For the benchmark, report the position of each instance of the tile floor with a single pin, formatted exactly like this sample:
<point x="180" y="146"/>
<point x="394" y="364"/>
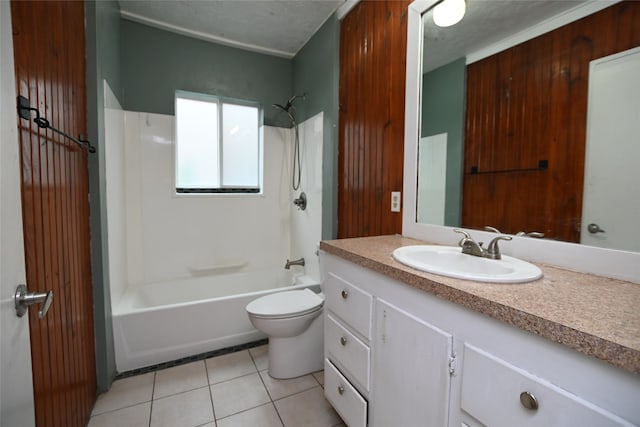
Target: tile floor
<point x="223" y="391"/>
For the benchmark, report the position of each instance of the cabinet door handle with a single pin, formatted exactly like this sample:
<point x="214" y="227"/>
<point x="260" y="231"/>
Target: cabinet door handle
<point x="528" y="400"/>
<point x="340" y="389"/>
<point x="345" y="294"/>
<point x="343" y="340"/>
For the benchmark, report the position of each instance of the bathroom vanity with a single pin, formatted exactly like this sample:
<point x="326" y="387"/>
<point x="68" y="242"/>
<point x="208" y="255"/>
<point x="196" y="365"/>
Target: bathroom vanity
<point x="409" y="348"/>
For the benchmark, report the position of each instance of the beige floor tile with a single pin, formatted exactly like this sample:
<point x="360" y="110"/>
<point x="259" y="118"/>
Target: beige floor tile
<point x="132" y="416"/>
<point x="229" y="366"/>
<point x="189" y="409"/>
<point x="260" y="356"/>
<point x="282" y="388"/>
<point x="126" y="392"/>
<point x="309" y="409"/>
<point x="180" y="379"/>
<point x="263" y="416"/>
<point x="239" y="394"/>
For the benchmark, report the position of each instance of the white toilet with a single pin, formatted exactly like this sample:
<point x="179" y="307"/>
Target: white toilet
<point x="294" y="323"/>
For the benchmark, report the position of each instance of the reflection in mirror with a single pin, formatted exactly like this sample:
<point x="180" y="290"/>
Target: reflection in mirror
<point x="516" y="122"/>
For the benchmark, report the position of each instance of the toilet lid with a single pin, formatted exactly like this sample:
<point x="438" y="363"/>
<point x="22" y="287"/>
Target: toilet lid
<point x="286" y="304"/>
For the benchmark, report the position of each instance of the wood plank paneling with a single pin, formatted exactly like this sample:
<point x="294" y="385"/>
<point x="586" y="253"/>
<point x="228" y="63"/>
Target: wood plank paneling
<point x="371" y="131"/>
<point x="527" y="104"/>
<point x="50" y="70"/>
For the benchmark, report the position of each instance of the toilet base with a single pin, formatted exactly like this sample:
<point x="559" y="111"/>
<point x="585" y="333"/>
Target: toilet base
<point x="300" y="355"/>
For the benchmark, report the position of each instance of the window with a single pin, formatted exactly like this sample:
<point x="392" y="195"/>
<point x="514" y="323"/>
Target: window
<point x="217" y="145"/>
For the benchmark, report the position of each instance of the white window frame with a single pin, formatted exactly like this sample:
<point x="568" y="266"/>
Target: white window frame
<point x="222" y="189"/>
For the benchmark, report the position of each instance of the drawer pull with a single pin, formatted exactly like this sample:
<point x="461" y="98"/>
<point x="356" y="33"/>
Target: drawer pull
<point x="340" y="389"/>
<point x="343" y="340"/>
<point x="345" y="294"/>
<point x="528" y="400"/>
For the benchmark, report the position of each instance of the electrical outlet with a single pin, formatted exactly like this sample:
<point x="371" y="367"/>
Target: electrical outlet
<point x="396" y="201"/>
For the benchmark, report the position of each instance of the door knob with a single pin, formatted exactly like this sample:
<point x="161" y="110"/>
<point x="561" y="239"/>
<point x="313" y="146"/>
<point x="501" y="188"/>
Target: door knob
<point x="23" y="299"/>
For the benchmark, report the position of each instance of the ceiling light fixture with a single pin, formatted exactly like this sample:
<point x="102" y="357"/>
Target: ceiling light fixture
<point x="448" y="12"/>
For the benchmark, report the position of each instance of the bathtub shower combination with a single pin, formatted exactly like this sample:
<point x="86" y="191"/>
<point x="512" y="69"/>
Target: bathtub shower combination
<point x="165" y="321"/>
<point x="180" y="287"/>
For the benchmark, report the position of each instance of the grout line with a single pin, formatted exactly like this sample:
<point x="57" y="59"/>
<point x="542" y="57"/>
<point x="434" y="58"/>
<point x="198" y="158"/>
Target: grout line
<point x="213" y="408"/>
<point x="273" y="403"/>
<point x="121" y="407"/>
<point x="316" y="378"/>
<point x="153" y="390"/>
<point x="253" y="360"/>
<point x="278" y="413"/>
<point x="265" y="386"/>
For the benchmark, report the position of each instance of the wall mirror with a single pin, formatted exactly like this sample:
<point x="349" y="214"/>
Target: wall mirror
<point x="433" y="199"/>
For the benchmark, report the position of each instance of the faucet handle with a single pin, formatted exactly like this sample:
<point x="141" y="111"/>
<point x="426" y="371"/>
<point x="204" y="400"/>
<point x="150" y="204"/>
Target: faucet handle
<point x="466" y="237"/>
<point x="536" y="234"/>
<point x="491" y="229"/>
<point x="493" y="251"/>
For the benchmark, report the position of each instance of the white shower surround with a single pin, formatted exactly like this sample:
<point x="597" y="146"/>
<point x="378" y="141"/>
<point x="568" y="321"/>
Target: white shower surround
<point x="158" y="237"/>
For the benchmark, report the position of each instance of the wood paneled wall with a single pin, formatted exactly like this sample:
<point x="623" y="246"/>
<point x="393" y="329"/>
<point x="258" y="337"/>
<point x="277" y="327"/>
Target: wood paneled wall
<point x="50" y="70"/>
<point x="529" y="104"/>
<point x="373" y="43"/>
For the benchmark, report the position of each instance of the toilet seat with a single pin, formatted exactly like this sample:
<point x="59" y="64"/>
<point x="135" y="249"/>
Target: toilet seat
<point x="282" y="305"/>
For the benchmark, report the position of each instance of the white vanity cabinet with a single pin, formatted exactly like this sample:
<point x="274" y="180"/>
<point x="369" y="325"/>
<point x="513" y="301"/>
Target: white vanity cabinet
<point x="411" y="359"/>
<point x="394" y="360"/>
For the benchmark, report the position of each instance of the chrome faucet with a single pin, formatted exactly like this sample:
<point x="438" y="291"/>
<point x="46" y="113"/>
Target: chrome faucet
<point x="471" y="247"/>
<point x="301" y="202"/>
<point x="299" y="262"/>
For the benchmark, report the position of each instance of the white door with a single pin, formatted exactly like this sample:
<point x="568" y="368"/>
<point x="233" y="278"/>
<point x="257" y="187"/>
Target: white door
<point x="16" y="386"/>
<point x="611" y="200"/>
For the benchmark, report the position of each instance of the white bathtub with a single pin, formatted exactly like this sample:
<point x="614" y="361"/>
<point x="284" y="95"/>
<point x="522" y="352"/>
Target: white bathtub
<point x="160" y="322"/>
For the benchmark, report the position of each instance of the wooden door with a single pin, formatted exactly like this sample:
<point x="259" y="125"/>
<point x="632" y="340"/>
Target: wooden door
<point x="49" y="55"/>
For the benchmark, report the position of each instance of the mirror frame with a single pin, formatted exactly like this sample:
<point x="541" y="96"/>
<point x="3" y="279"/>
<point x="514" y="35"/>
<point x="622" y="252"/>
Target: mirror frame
<point x="612" y="263"/>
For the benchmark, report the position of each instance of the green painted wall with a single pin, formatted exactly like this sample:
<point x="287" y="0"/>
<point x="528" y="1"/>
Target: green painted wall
<point x="150" y="76"/>
<point x="443" y="109"/>
<point x="156" y="63"/>
<point x="316" y="73"/>
<point x="103" y="63"/>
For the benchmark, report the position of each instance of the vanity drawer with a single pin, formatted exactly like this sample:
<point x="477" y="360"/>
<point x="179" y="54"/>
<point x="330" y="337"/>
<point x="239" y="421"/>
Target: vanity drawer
<point x="497" y="393"/>
<point x="344" y="398"/>
<point x="347" y="351"/>
<point x="350" y="303"/>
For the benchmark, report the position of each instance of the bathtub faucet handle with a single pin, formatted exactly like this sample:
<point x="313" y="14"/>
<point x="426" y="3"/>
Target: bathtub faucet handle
<point x="299" y="262"/>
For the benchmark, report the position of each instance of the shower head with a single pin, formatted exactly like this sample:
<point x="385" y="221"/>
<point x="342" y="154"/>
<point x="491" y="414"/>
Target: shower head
<point x="285" y="109"/>
<point x="289" y="103"/>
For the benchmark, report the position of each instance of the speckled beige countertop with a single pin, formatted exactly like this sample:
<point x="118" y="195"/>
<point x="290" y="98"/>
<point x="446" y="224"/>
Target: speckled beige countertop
<point x="594" y="315"/>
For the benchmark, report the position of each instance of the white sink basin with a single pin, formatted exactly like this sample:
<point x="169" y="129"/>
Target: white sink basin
<point x="450" y="261"/>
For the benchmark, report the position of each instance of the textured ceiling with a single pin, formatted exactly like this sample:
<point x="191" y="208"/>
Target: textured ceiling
<point x="282" y="27"/>
<point x="278" y="27"/>
<point x="486" y="22"/>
